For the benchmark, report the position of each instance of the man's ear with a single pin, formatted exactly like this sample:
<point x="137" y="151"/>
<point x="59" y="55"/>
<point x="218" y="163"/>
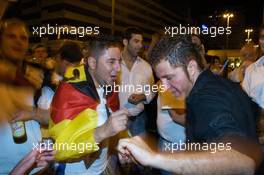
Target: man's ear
<point x="192" y="68"/>
<point x="92" y="63"/>
<point x="125" y="42"/>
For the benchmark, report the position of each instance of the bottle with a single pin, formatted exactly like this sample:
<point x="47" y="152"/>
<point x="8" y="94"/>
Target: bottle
<point x="19" y="132"/>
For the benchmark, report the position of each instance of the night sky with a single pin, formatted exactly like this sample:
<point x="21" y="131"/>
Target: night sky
<point x="251" y="9"/>
<point x="248" y="14"/>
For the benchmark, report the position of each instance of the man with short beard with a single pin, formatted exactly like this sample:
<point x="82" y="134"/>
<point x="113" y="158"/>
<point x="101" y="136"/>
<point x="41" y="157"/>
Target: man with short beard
<point x="218" y="111"/>
<point x="136" y="73"/>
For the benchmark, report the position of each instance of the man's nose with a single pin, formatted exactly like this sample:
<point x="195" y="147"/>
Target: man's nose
<point x="165" y="83"/>
<point x="117" y="67"/>
<point x="140" y="45"/>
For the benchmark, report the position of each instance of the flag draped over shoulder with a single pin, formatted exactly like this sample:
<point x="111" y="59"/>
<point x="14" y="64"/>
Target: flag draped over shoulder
<point x="73" y="115"/>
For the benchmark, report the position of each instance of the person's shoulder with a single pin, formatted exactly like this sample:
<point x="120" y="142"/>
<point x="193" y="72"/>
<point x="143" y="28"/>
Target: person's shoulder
<point x="259" y="62"/>
<point x="254" y="67"/>
<point x="218" y="90"/>
<point x="144" y="62"/>
<point x="63" y="89"/>
<point x="146" y="65"/>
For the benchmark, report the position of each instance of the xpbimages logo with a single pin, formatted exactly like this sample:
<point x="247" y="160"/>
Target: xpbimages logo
<point x="146" y="89"/>
<point x="188" y="30"/>
<point x="190" y="146"/>
<point x="81" y="31"/>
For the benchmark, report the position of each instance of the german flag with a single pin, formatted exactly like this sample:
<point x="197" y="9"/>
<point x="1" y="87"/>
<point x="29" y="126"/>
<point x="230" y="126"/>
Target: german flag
<point x="73" y="114"/>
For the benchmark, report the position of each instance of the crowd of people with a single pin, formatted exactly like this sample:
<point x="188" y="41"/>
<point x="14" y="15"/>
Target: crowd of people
<point x="60" y="99"/>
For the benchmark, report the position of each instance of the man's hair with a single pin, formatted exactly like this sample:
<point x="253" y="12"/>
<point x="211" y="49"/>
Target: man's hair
<point x="71" y="52"/>
<point x="97" y="46"/>
<point x="4" y="24"/>
<point x="177" y="50"/>
<point x="131" y="30"/>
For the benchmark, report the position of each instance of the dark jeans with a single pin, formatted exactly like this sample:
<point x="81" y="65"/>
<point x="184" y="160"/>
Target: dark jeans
<point x="137" y="124"/>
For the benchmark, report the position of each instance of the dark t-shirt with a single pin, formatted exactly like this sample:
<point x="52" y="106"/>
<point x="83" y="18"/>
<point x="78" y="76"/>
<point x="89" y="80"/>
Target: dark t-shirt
<point x="217" y="107"/>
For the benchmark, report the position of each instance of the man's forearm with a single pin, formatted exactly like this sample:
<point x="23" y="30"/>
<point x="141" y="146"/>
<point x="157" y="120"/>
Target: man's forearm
<point x="98" y="135"/>
<point x="42" y="116"/>
<point x="205" y="163"/>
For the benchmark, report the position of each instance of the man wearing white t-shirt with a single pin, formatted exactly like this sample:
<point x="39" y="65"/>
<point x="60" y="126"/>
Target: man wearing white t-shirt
<point x="253" y="82"/>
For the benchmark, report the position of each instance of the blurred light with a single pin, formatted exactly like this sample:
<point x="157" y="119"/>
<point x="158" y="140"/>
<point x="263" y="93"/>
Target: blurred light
<point x="204" y="26"/>
<point x="249" y="30"/>
<point x="228" y="15"/>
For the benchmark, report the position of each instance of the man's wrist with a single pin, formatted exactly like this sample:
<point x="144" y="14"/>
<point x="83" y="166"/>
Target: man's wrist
<point x="99" y="134"/>
<point x="154" y="160"/>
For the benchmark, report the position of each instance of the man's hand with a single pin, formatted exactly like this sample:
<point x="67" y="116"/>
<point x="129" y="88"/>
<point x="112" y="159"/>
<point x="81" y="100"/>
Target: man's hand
<point x="117" y="122"/>
<point x="37" y="114"/>
<point x="35" y="76"/>
<point x="136" y="150"/>
<point x="32" y="160"/>
<point x="136" y="98"/>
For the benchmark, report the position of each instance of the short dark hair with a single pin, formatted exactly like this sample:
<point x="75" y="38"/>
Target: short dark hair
<point x="177" y="50"/>
<point x="71" y="52"/>
<point x="131" y="30"/>
<point x="98" y="45"/>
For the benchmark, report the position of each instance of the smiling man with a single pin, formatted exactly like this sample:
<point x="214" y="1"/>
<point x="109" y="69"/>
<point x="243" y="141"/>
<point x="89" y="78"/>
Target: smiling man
<point x="83" y="116"/>
<point x="218" y="111"/>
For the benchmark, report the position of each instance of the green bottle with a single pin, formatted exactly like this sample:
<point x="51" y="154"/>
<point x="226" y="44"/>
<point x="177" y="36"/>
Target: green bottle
<point x="19" y="131"/>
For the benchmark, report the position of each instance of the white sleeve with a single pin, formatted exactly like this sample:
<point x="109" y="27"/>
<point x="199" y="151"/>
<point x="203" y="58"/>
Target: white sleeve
<point x="150" y="94"/>
<point x="247" y="80"/>
<point x="46" y="98"/>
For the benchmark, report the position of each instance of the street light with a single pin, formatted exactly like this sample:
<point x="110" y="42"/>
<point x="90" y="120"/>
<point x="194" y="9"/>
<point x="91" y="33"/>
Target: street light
<point x="228" y="16"/>
<point x="248" y="31"/>
<point x="248" y="40"/>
